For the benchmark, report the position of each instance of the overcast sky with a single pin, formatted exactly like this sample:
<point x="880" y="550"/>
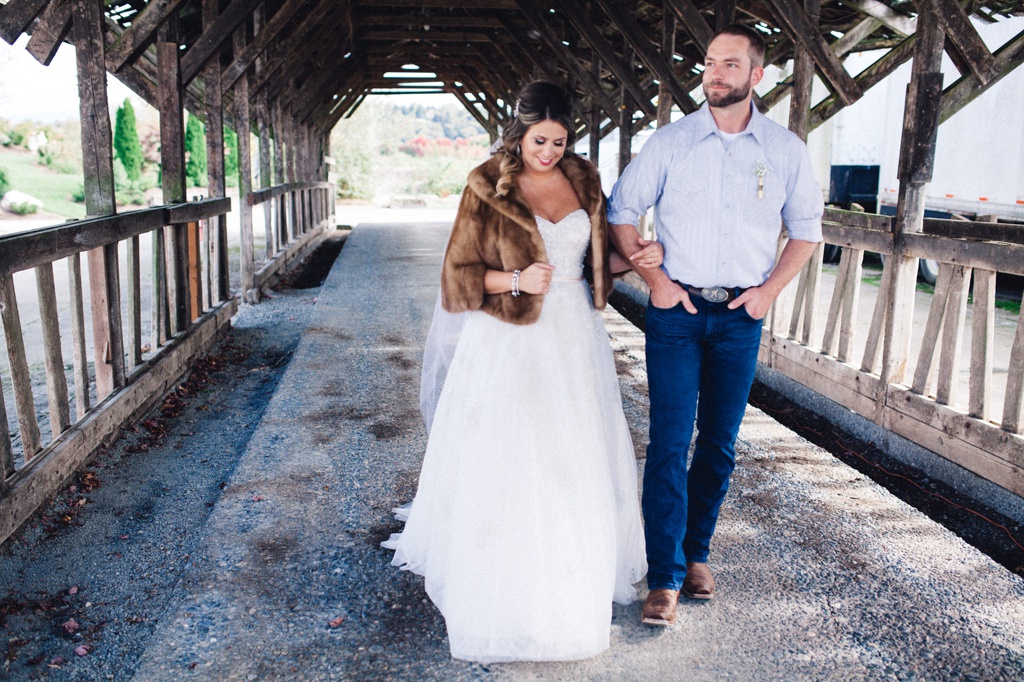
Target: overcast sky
<point x="31" y="91"/>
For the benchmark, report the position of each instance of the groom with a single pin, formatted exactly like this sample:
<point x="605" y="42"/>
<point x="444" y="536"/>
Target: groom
<point x="722" y="179"/>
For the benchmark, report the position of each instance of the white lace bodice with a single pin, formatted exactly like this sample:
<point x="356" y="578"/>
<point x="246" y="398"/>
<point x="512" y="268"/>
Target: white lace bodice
<point x="566" y="242"/>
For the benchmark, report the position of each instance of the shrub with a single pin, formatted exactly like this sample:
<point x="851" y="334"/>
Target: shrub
<point x="126" y="191"/>
<point x="78" y="196"/>
<point x="5" y="184"/>
<point x="23" y="208"/>
<point x="52" y="157"/>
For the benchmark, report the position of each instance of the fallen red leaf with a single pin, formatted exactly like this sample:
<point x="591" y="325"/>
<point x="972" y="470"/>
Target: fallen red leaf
<point x="337" y="621"/>
<point x="73" y="590"/>
<point x="83" y="650"/>
<point x="70" y="626"/>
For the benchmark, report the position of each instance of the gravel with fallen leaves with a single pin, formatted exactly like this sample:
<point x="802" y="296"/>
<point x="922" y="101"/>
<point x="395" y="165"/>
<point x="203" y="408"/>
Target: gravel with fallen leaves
<point x="87" y="579"/>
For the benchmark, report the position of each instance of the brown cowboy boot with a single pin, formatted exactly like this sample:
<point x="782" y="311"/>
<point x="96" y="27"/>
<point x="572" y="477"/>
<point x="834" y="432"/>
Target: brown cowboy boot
<point x="660" y="607"/>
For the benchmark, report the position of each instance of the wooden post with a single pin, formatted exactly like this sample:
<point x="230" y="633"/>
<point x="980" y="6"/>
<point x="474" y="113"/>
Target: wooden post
<point x="56" y="382"/>
<point x="249" y="292"/>
<point x="97" y="160"/>
<point x="263" y="125"/>
<point x="626" y="120"/>
<point x="799" y="117"/>
<point x="215" y="158"/>
<point x="79" y="354"/>
<point x="172" y="169"/>
<point x="668" y="49"/>
<point x="6" y="451"/>
<point x="281" y="202"/>
<point x="21" y="380"/>
<point x="917" y="155"/>
<point x="266" y="179"/>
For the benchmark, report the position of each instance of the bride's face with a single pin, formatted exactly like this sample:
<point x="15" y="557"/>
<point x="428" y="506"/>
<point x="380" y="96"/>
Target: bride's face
<point x="543" y="145"/>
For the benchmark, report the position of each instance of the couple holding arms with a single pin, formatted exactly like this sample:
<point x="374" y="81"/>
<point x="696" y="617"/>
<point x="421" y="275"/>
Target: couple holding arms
<point x="526" y="524"/>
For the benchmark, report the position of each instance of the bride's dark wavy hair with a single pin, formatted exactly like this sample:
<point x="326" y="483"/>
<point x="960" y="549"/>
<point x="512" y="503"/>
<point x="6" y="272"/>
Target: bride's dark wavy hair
<point x="538" y="101"/>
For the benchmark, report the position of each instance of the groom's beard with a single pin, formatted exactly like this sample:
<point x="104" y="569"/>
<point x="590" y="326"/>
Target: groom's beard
<point x="724" y="99"/>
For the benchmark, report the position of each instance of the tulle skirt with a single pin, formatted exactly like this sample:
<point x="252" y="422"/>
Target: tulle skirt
<point x="526" y="524"/>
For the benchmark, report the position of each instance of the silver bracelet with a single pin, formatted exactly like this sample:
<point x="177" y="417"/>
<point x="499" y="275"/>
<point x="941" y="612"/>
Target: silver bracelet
<point x="515" y="282"/>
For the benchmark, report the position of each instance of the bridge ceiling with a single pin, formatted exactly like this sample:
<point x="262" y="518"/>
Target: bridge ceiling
<point x="318" y="59"/>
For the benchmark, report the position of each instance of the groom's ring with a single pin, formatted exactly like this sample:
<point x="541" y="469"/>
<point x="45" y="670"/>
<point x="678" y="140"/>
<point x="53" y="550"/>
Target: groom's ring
<point x="714" y="294"/>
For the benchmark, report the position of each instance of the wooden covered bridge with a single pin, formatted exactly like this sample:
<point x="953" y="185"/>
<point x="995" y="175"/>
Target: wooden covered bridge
<point x="288" y="71"/>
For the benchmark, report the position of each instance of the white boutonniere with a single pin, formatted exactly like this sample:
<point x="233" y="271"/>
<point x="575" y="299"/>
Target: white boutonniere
<point x="760" y="170"/>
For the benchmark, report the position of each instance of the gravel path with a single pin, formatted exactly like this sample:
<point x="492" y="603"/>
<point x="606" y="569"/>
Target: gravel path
<point x="821" y="573"/>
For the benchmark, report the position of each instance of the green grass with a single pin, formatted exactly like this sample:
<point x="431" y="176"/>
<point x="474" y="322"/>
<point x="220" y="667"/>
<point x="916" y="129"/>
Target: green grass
<point x="54" y="189"/>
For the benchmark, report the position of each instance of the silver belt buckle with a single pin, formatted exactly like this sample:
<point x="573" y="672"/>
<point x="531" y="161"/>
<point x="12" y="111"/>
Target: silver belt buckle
<point x="714" y="294"/>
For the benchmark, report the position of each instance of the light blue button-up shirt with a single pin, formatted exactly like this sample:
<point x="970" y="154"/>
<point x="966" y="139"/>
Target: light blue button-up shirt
<point x="716" y="228"/>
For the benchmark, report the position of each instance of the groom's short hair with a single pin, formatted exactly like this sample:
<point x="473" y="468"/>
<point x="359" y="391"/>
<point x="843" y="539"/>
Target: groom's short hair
<point x="757" y="44"/>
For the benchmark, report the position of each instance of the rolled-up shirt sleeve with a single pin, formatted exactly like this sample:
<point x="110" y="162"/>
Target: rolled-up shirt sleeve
<point x="804" y="204"/>
<point x="640" y="185"/>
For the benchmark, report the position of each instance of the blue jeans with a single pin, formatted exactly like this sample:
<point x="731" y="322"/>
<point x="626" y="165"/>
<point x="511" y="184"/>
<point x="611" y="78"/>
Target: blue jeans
<point x="698" y="366"/>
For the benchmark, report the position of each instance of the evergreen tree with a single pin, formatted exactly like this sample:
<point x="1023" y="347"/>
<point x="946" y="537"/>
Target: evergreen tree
<point x="230" y="154"/>
<point x="126" y="141"/>
<point x="195" y="148"/>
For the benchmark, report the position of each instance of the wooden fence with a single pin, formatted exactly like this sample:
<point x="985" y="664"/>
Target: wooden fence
<point x="977" y="428"/>
<point x="143" y="339"/>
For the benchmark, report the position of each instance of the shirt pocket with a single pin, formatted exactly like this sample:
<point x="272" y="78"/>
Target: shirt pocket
<point x="686" y="197"/>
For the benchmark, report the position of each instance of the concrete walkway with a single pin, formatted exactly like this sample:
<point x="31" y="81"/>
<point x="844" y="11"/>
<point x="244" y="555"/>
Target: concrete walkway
<point x="821" y="574"/>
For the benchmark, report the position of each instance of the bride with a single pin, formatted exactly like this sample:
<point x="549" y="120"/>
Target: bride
<point x="526" y="524"/>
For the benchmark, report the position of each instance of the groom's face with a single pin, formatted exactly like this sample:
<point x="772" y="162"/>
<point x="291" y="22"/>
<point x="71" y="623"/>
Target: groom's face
<point x="729" y="74"/>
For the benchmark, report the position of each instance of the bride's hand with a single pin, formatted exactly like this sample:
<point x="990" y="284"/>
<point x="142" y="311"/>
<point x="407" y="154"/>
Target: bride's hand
<point x="536" y="279"/>
<point x="650" y="255"/>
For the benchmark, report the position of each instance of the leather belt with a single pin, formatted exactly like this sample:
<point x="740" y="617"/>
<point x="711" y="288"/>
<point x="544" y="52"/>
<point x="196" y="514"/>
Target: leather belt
<point x="714" y="294"/>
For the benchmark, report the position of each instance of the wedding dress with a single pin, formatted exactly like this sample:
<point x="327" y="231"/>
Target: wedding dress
<point x="526" y="524"/>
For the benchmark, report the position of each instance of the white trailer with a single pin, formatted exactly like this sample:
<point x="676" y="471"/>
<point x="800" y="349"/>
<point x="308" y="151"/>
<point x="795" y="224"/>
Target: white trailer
<point x="979" y="157"/>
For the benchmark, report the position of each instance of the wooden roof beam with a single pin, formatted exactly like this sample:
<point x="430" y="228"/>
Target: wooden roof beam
<point x="522" y="71"/>
<point x="867" y="78"/>
<point x="444" y="4"/>
<point x="210" y="42"/>
<point x="961" y="34"/>
<point x="657" y="63"/>
<point x="259" y="43"/>
<point x="313" y="56"/>
<point x="576" y="15"/>
<point x="969" y="87"/>
<point x="289" y="50"/>
<point x="693" y="22"/>
<point x="424" y="36"/>
<point x="17" y="15"/>
<point x="840" y="47"/>
<point x="797" y="24"/>
<point x="141" y="33"/>
<point x="566" y="57"/>
<point x="435" y="21"/>
<point x="51" y="30"/>
<point x="902" y="24"/>
<point x="725" y="14"/>
<point x="487" y="124"/>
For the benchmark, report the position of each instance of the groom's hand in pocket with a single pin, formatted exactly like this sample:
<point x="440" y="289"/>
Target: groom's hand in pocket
<point x="667" y="294"/>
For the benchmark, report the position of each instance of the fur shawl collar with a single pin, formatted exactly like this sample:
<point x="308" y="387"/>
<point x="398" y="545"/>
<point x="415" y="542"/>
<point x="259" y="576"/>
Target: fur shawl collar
<point x="500" y="233"/>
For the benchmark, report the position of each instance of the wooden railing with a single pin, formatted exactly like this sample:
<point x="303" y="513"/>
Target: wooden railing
<point x="158" y="287"/>
<point x="294" y="216"/>
<point x="168" y="264"/>
<point x="964" y="406"/>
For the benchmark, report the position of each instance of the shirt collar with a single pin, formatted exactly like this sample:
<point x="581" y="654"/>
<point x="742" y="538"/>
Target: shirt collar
<point x="706" y="123"/>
